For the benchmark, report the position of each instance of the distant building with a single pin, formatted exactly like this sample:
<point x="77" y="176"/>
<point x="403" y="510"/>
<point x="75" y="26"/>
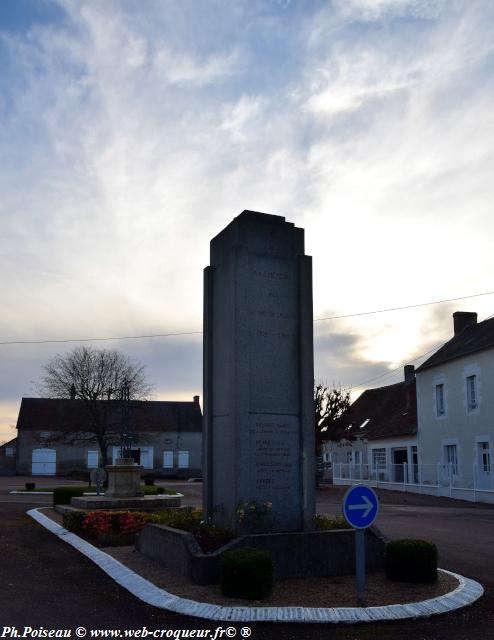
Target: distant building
<point x="376" y="438"/>
<point x="167" y="436"/>
<point x="455" y="392"/>
<point x="8" y="457"/>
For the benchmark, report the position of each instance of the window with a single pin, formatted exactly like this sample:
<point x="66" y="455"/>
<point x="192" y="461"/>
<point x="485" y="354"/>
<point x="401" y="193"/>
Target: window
<point x="472" y="403"/>
<point x="440" y="408"/>
<point x="378" y="458"/>
<point x="485" y="457"/>
<point x="92" y="459"/>
<point x="9" y="452"/>
<point x="167" y="459"/>
<point x="349" y="457"/>
<point x="356" y="457"/>
<point x="451" y="457"/>
<point x="183" y="459"/>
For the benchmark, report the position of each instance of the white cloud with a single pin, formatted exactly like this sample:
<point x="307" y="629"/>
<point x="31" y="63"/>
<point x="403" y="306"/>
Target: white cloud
<point x="132" y="137"/>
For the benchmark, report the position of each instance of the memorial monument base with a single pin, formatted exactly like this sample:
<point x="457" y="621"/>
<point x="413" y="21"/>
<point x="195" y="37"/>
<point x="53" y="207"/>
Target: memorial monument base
<point x="295" y="555"/>
<point x="124" y="479"/>
<point x="143" y="503"/>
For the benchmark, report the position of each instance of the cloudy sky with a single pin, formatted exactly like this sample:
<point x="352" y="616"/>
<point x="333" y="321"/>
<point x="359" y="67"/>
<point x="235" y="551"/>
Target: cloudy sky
<point x="133" y="131"/>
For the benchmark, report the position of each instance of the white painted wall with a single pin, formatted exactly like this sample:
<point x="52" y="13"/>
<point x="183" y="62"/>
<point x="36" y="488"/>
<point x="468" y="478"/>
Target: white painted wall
<point x="459" y="425"/>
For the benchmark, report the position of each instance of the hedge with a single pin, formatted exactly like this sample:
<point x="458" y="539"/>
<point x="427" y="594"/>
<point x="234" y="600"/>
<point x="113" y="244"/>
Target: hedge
<point x="247" y="573"/>
<point x="410" y="560"/>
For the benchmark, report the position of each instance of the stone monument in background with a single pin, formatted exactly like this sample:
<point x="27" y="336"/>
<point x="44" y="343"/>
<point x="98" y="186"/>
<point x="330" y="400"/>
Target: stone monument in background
<point x="259" y="375"/>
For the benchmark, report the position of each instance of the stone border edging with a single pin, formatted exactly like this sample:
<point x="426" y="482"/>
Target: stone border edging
<point x="466" y="593"/>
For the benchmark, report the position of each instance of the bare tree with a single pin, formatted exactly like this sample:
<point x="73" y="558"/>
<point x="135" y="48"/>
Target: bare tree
<point x="329" y="403"/>
<point x="99" y="378"/>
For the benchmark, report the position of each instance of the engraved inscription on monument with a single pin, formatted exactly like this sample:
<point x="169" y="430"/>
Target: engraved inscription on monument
<point x="258" y="372"/>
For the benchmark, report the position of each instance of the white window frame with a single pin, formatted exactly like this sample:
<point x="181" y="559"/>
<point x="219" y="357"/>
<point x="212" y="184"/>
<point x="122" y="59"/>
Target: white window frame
<point x="439" y="383"/>
<point x="168" y="459"/>
<point x="183" y="459"/>
<point x="454" y="460"/>
<point x="471" y="371"/>
<point x="440" y="405"/>
<point x="472" y="402"/>
<point x="379" y="451"/>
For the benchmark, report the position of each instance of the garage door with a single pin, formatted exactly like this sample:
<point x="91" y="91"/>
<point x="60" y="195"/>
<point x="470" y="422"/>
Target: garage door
<point x="44" y="462"/>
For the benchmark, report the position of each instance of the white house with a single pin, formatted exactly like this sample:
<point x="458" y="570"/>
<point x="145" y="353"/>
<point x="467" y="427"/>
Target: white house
<point x="376" y="439"/>
<point x="455" y="411"/>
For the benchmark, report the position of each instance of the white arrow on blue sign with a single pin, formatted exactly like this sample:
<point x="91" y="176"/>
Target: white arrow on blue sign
<point x="360" y="506"/>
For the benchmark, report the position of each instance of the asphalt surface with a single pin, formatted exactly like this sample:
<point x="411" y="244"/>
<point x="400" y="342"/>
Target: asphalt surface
<point x="45" y="582"/>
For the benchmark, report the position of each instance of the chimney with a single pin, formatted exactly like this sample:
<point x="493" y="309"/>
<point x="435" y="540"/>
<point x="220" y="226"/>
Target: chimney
<point x="409" y="372"/>
<point x="462" y="320"/>
<point x="72" y="391"/>
<point x="196" y="400"/>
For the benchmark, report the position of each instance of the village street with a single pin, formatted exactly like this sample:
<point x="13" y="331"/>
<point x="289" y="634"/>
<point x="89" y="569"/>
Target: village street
<point x="46" y="582"/>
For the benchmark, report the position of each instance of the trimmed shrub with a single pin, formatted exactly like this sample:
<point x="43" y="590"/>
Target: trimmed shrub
<point x="325" y="523"/>
<point x="410" y="560"/>
<point x="30" y="486"/>
<point x="211" y="537"/>
<point x="72" y="520"/>
<point x="185" y="519"/>
<point x="160" y="490"/>
<point x="247" y="573"/>
<point x="62" y="495"/>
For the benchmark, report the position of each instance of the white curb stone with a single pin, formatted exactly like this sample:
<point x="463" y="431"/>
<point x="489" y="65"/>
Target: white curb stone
<point x="467" y="592"/>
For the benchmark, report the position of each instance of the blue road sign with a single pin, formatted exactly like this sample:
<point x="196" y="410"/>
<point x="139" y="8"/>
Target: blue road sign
<point x="360" y="506"/>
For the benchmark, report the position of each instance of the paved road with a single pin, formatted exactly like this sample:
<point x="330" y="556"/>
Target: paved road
<point x="46" y="582"/>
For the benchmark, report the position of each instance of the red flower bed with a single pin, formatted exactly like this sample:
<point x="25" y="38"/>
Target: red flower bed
<point x="112" y="527"/>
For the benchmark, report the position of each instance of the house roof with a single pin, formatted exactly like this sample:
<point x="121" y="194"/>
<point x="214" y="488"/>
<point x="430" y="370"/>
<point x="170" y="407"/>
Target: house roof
<point x="10" y="443"/>
<point x="384" y="412"/>
<point x="473" y="338"/>
<point x="48" y="414"/>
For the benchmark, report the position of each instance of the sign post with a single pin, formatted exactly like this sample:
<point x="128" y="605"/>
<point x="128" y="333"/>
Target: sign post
<point x="360" y="509"/>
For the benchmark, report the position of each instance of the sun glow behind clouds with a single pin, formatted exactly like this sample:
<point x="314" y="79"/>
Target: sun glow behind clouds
<point x="133" y="134"/>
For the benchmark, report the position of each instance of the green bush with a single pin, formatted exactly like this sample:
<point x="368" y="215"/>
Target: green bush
<point x="160" y="490"/>
<point x="186" y="519"/>
<point x="247" y="573"/>
<point x="325" y="523"/>
<point x="62" y="495"/>
<point x="72" y="520"/>
<point x="211" y="537"/>
<point x="149" y="480"/>
<point x="411" y="561"/>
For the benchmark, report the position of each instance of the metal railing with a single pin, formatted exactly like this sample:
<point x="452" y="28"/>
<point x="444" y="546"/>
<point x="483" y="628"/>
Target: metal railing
<point x="442" y="479"/>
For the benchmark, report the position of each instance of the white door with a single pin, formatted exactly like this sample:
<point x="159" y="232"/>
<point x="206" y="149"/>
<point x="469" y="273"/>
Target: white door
<point x="44" y="462"/>
<point x="147" y="457"/>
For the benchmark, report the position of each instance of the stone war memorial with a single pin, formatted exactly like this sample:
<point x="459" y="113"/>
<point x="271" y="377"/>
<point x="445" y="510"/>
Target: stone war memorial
<point x="258" y="437"/>
<point x="258" y="377"/>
